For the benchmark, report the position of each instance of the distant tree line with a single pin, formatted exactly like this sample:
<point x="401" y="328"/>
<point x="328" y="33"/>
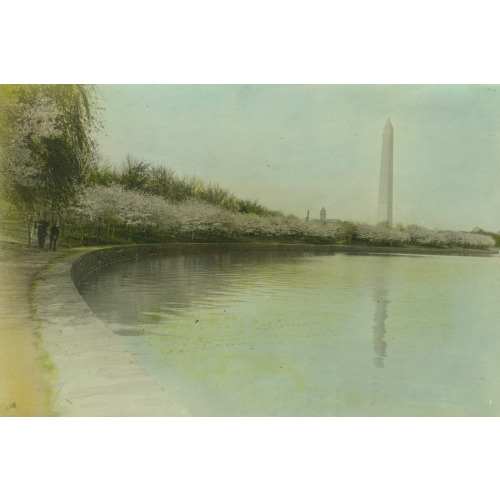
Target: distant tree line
<point x="141" y="176"/>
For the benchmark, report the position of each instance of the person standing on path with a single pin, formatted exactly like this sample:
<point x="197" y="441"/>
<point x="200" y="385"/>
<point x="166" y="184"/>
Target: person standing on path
<point x="54" y="235"/>
<point x="42" y="233"/>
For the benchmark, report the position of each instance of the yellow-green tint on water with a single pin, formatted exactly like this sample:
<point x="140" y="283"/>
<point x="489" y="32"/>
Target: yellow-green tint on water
<point x="267" y="333"/>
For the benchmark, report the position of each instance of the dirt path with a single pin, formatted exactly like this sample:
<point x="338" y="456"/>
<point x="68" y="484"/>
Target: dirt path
<point x="23" y="390"/>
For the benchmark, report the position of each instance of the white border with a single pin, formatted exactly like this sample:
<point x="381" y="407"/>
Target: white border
<point x="257" y="42"/>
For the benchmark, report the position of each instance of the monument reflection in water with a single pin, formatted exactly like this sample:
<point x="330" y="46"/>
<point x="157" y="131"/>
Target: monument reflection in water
<point x="381" y="300"/>
<point x="379" y="342"/>
<point x="343" y="335"/>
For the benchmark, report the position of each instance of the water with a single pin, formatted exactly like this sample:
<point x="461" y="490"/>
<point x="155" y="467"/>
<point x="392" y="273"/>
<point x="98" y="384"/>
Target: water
<point x="266" y="333"/>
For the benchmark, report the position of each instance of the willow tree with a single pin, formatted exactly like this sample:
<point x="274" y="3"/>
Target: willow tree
<point x="46" y="145"/>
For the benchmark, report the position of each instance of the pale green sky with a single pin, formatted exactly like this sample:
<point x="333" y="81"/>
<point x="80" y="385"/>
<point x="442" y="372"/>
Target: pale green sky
<point x="300" y="147"/>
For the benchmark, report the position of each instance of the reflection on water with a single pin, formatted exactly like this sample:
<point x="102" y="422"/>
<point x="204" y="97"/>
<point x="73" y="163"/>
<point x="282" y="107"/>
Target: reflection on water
<point x="381" y="300"/>
<point x="379" y="343"/>
<point x="267" y="333"/>
<point x="155" y="290"/>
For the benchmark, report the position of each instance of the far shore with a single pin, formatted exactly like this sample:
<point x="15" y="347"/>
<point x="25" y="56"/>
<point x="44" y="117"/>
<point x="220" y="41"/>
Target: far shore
<point x="26" y="384"/>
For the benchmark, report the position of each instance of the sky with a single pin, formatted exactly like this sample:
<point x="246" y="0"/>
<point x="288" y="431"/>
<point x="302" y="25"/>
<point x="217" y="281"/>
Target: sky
<point x="295" y="148"/>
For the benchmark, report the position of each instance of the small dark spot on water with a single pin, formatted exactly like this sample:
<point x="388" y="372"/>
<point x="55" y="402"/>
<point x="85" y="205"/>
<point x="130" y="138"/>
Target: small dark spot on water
<point x="12" y="405"/>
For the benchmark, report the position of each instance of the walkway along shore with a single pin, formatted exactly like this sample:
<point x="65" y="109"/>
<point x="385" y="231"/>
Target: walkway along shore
<point x="24" y="391"/>
<point x="93" y="373"/>
<point x="57" y="358"/>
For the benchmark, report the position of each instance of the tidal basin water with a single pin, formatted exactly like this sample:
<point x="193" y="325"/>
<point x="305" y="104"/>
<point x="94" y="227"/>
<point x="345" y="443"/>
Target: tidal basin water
<point x="289" y="334"/>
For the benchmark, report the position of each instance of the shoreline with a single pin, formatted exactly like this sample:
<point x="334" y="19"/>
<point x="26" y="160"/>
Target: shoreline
<point x="93" y="373"/>
<point x="58" y="359"/>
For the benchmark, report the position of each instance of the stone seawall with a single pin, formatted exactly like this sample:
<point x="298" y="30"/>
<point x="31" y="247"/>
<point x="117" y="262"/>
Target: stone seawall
<point x="90" y="371"/>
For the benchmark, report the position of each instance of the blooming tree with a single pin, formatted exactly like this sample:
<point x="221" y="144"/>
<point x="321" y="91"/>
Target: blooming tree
<point x="195" y="216"/>
<point x="98" y="206"/>
<point x="45" y="145"/>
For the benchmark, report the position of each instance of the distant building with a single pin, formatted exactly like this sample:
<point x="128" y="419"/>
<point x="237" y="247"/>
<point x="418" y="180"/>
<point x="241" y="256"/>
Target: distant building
<point x="322" y="215"/>
<point x="307" y="218"/>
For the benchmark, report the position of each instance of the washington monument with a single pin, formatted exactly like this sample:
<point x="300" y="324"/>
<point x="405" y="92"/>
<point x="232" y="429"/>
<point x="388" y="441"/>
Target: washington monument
<point x="385" y="189"/>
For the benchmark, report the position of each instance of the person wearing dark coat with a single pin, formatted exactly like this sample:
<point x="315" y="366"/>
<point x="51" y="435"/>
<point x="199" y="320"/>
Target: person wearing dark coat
<point x="42" y="233"/>
<point x="54" y="235"/>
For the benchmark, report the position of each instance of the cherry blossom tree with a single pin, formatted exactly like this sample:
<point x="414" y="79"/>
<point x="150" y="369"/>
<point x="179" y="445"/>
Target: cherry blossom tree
<point x="45" y="145"/>
<point x="381" y="234"/>
<point x="467" y="240"/>
<point x="422" y="236"/>
<point x="98" y="205"/>
<point x="198" y="217"/>
<point x="249" y="224"/>
<point x="24" y="127"/>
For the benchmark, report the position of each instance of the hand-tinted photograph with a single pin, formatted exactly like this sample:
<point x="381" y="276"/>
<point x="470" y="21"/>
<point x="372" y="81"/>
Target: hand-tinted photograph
<point x="249" y="250"/>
